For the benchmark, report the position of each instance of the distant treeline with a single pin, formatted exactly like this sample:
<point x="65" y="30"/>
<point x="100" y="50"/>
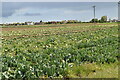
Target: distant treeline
<point x="102" y="20"/>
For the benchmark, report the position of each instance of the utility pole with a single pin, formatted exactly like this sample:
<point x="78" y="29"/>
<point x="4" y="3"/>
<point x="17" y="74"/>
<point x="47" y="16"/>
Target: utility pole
<point x="94" y="13"/>
<point x="119" y="11"/>
<point x="119" y="30"/>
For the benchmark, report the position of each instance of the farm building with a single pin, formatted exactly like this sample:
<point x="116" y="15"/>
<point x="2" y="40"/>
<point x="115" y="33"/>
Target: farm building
<point x="29" y="23"/>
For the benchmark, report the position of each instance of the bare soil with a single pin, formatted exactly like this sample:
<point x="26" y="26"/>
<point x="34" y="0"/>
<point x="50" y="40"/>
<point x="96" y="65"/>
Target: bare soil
<point x="49" y="26"/>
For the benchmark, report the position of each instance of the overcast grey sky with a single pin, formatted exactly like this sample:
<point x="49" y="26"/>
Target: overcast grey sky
<point x="50" y="11"/>
<point x="60" y="0"/>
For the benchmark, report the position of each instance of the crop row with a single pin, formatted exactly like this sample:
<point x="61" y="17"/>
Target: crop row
<point x="48" y="30"/>
<point x="50" y="56"/>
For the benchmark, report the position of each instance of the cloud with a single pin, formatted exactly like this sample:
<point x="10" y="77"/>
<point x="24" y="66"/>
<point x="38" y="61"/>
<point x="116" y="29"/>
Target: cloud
<point x="32" y="14"/>
<point x="11" y="8"/>
<point x="7" y="13"/>
<point x="75" y="12"/>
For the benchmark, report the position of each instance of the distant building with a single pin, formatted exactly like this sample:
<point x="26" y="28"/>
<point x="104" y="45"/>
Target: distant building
<point x="114" y="20"/>
<point x="29" y="23"/>
<point x="110" y="20"/>
<point x="38" y="23"/>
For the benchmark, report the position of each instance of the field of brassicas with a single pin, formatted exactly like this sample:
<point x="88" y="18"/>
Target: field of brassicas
<point x="60" y="52"/>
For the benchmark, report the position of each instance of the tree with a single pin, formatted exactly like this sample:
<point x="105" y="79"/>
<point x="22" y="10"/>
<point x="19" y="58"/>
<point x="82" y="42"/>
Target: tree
<point x="41" y="21"/>
<point x="96" y="20"/>
<point x="103" y="19"/>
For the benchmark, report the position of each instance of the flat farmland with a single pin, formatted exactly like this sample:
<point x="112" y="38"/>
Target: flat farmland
<point x="60" y="51"/>
<point x="11" y="28"/>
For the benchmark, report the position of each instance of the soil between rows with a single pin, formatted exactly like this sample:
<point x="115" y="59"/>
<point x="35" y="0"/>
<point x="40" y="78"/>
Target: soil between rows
<point x="48" y="26"/>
